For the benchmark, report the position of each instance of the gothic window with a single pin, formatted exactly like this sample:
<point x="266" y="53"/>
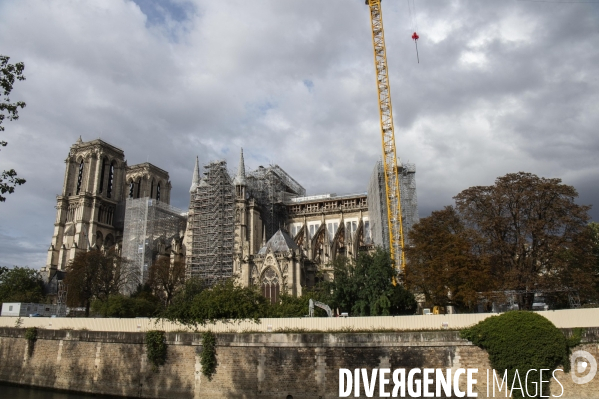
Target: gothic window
<point x="80" y="178"/>
<point x="99" y="239"/>
<point x="138" y="188"/>
<point x="131" y="186"/>
<point x="102" y="175"/>
<point x="270" y="285"/>
<point x="158" y="192"/>
<point x="110" y="180"/>
<point x="152" y="189"/>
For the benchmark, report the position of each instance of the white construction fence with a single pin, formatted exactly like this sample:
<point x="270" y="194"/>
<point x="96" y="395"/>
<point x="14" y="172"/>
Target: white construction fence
<point x="570" y="318"/>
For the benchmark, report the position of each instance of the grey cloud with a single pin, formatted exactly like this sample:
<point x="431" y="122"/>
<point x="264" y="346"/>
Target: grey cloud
<point x="166" y="85"/>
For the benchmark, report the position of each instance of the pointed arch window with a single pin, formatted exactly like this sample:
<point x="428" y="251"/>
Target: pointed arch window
<point x="131" y="186"/>
<point x="152" y="189"/>
<point x="80" y="178"/>
<point x="138" y="187"/>
<point x="110" y="180"/>
<point x="102" y="175"/>
<point x="158" y="192"/>
<point x="270" y="285"/>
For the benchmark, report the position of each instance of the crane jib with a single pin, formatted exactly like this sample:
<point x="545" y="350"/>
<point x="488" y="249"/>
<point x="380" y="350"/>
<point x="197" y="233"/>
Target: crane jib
<point x="392" y="182"/>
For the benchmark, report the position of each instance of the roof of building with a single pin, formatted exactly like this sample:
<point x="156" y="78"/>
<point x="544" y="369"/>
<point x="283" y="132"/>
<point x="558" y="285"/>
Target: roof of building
<point x="279" y="242"/>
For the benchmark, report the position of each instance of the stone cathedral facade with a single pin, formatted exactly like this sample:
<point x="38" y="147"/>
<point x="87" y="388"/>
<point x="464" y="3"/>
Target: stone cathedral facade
<point x="283" y="241"/>
<point x="257" y="226"/>
<point x="90" y="208"/>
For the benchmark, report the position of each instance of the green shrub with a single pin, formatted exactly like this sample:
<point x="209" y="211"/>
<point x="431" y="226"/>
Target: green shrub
<point x="156" y="348"/>
<point x="520" y="341"/>
<point x="208" y="355"/>
<point x="31" y="337"/>
<point x="31" y="334"/>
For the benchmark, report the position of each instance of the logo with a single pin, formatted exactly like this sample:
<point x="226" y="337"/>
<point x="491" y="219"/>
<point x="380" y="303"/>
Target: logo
<point x="581" y="362"/>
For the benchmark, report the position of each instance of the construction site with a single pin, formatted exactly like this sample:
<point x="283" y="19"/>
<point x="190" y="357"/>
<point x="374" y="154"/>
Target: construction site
<point x="212" y="214"/>
<point x="151" y="229"/>
<point x="377" y="202"/>
<point x="211" y="222"/>
<point x="272" y="187"/>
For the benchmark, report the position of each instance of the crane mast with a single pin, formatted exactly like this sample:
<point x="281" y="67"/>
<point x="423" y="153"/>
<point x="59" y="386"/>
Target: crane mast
<point x="392" y="184"/>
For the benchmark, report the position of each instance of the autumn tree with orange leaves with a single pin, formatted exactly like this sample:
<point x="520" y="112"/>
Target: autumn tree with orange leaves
<point x="524" y="233"/>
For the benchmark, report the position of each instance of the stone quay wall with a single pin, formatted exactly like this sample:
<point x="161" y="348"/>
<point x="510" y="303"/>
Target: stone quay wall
<point x="253" y="365"/>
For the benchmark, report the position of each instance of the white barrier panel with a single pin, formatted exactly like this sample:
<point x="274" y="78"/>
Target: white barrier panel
<point x="569" y="318"/>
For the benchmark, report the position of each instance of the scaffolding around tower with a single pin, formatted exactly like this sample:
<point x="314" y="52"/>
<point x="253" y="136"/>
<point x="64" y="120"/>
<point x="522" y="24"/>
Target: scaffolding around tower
<point x="212" y="224"/>
<point x="377" y="207"/>
<point x="150" y="226"/>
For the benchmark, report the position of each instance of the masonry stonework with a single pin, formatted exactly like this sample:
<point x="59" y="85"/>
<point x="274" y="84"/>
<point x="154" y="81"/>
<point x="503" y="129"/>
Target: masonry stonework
<point x="249" y="365"/>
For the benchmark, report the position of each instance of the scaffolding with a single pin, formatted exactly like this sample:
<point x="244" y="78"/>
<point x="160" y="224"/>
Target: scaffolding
<point x="271" y="187"/>
<point x="213" y="208"/>
<point x="377" y="202"/>
<point x="149" y="228"/>
<point x="61" y="299"/>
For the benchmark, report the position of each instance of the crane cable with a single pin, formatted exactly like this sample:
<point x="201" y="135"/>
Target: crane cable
<point x="415" y="37"/>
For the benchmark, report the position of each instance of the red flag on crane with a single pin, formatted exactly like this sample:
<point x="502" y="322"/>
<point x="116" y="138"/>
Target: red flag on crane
<point x="416" y="37"/>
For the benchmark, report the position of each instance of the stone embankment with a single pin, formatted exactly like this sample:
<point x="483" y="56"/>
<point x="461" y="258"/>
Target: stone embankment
<point x="256" y="365"/>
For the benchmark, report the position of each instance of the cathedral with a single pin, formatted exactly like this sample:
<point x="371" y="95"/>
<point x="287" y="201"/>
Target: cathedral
<point x="257" y="226"/>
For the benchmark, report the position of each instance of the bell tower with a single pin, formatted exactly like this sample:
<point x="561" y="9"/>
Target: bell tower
<point x="89" y="208"/>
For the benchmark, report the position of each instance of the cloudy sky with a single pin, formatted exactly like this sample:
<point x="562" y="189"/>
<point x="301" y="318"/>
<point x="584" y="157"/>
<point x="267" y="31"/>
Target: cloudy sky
<point x="502" y="86"/>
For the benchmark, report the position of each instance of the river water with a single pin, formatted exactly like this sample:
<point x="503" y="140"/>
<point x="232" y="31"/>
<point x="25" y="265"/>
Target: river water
<point x="17" y="392"/>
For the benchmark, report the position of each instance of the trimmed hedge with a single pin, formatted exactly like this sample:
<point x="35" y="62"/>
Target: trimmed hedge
<point x="519" y="341"/>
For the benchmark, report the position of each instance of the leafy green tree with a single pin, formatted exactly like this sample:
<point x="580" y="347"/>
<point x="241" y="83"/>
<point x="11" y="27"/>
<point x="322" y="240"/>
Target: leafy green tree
<point x="223" y="301"/>
<point x="402" y="301"/>
<point x="364" y="286"/>
<point x="8" y="74"/>
<point x="179" y="309"/>
<point x="122" y="306"/>
<point x="290" y="306"/>
<point x="21" y="284"/>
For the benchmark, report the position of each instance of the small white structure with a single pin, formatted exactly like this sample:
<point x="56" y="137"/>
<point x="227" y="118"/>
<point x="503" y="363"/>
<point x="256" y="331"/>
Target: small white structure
<point x="18" y="309"/>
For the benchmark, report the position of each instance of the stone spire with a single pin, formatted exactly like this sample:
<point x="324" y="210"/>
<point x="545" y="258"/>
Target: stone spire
<point x="195" y="180"/>
<point x="240" y="178"/>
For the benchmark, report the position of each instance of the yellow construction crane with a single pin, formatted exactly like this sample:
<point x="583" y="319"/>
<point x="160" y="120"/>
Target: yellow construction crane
<point x="392" y="184"/>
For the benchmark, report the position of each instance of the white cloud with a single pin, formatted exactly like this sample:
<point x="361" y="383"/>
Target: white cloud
<point x="501" y="87"/>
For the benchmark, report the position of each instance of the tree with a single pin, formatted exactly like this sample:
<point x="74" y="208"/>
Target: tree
<point x="165" y="278"/>
<point x="444" y="261"/>
<point x="119" y="305"/>
<point x="8" y="74"/>
<point x="179" y="309"/>
<point x="21" y="284"/>
<point x="528" y="224"/>
<point x="593" y="234"/>
<point x="96" y="275"/>
<point x="224" y="301"/>
<point x="524" y="233"/>
<point x="364" y="286"/>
